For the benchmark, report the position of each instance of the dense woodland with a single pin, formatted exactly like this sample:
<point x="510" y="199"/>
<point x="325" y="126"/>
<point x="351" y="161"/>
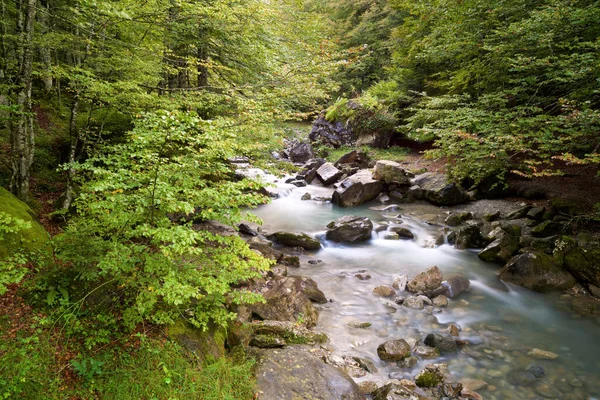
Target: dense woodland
<point x="127" y="113"/>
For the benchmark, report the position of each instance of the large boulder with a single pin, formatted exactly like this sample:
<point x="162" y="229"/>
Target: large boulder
<point x="395" y="391"/>
<point x="444" y="343"/>
<point x="295" y="373"/>
<point x="537" y="271"/>
<point x="288" y="298"/>
<point x="470" y="237"/>
<point x="437" y="189"/>
<point x="390" y="172"/>
<point x="209" y="344"/>
<point x="349" y="229"/>
<point x="426" y="282"/>
<point x="393" y="350"/>
<point x="329" y="173"/>
<point x="294" y="239"/>
<point x="334" y="134"/>
<point x="300" y="152"/>
<point x="357" y="189"/>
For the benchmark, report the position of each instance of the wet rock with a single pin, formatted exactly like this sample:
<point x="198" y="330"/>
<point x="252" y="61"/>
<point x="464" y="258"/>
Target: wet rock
<point x="360" y="325"/>
<point x="402" y="232"/>
<point x="470" y="394"/>
<point x="349" y="229"/>
<point x="300" y="152"/>
<point x="473" y="384"/>
<point x="292" y="261"/>
<point x="246" y="229"/>
<point x="545" y="389"/>
<point x="440" y="301"/>
<point x="415" y="192"/>
<point x="581" y="261"/>
<point x="455" y="285"/>
<point x="522" y="378"/>
<point x="451" y="389"/>
<point x="445" y="344"/>
<point x="329" y="174"/>
<point x="536" y="370"/>
<point x="383" y="198"/>
<point x="454" y="330"/>
<point x="438" y="190"/>
<point x="357" y="189"/>
<point x="294" y="239"/>
<point x="408" y="362"/>
<point x="489" y="217"/>
<point x="458" y="218"/>
<point x="368" y="387"/>
<point x="542" y="354"/>
<point x="298" y="183"/>
<point x="363" y="276"/>
<point x="306" y="196"/>
<point x="400" y="282"/>
<point x="430" y="377"/>
<point x="414" y="302"/>
<point x="426" y="352"/>
<point x="390" y="172"/>
<point x="315" y="262"/>
<point x="384" y="291"/>
<point x="366" y="364"/>
<point x="426" y="282"/>
<point x="394" y="391"/>
<point x="286" y="300"/>
<point x="586" y="306"/>
<point x="470" y="237"/>
<point x="295" y="373"/>
<point x="393" y="350"/>
<point x="391" y="236"/>
<point x="536" y="271"/>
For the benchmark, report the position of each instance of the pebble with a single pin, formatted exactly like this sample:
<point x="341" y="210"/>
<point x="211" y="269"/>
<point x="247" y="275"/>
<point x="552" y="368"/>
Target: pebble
<point x="542" y="354"/>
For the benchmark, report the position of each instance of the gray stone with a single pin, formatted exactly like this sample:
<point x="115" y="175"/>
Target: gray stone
<point x="246" y="229"/>
<point x="348" y="158"/>
<point x="395" y="391"/>
<point x="357" y="189"/>
<point x="414" y="302"/>
<point x="300" y="152"/>
<point x="400" y="282"/>
<point x="458" y="218"/>
<point x="438" y="190"/>
<point x="455" y="285"/>
<point x="445" y="344"/>
<point x="431" y="376"/>
<point x="548" y="228"/>
<point x="426" y="282"/>
<point x="402" y="232"/>
<point x="329" y="173"/>
<point x="470" y="237"/>
<point x="294" y="239"/>
<point x="335" y="134"/>
<point x="306" y="196"/>
<point x="349" y="229"/>
<point x="393" y="350"/>
<point x="294" y="373"/>
<point x="440" y="301"/>
<point x="427" y="352"/>
<point x="536" y="213"/>
<point x="384" y="291"/>
<point x="390" y="172"/>
<point x="536" y="271"/>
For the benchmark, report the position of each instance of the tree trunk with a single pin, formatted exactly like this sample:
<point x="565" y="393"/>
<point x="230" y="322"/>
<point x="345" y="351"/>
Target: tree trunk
<point x="75" y="139"/>
<point x="22" y="134"/>
<point x="44" y="51"/>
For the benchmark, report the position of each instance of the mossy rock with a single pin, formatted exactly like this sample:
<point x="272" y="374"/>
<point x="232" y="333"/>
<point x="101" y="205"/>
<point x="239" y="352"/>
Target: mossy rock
<point x="31" y="239"/>
<point x="428" y="379"/>
<point x="208" y="345"/>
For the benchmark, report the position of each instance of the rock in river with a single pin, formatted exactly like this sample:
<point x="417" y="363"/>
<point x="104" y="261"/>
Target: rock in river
<point x="357" y="189"/>
<point x="393" y="350"/>
<point x="537" y="271"/>
<point x="329" y="173"/>
<point x="294" y="239"/>
<point x="390" y="172"/>
<point x="426" y="282"/>
<point x="349" y="229"/>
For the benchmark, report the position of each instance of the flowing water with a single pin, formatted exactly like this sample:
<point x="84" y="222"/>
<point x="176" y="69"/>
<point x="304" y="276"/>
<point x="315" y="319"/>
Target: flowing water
<point x="501" y="322"/>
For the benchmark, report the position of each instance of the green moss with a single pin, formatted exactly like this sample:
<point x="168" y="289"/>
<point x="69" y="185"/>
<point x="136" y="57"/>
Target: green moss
<point x="30" y="239"/>
<point x="428" y="379"/>
<point x="208" y="345"/>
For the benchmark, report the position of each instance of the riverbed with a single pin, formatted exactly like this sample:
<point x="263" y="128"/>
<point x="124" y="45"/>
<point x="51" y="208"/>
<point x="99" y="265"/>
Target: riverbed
<point x="502" y="323"/>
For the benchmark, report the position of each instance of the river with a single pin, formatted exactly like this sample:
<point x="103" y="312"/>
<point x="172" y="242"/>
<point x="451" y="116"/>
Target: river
<point x="501" y="322"/>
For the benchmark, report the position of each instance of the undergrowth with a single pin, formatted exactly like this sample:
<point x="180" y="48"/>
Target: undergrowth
<point x="393" y="153"/>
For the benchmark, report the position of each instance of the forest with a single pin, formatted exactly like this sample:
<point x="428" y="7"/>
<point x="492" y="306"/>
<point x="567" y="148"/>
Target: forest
<point x="120" y="124"/>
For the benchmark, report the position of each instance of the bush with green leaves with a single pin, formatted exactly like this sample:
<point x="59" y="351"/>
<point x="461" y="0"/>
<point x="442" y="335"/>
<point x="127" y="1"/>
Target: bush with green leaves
<point x="12" y="268"/>
<point x="138" y="246"/>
